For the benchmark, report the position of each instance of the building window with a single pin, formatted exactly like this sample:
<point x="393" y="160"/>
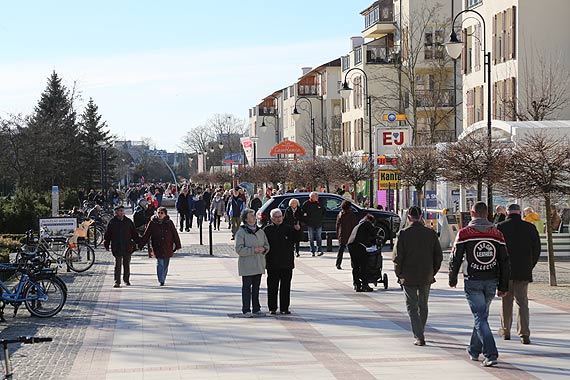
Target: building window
<point x="359" y="134"/>
<point x="504" y="35"/>
<point x="433" y="44"/>
<point x="358" y="93"/>
<point x="472" y="3"/>
<point x="291" y="91"/>
<point x="345" y="62"/>
<point x="345" y="137"/>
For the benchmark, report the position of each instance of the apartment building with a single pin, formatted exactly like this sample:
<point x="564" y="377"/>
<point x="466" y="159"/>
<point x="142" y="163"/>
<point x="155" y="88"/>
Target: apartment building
<point x="402" y="53"/>
<point x="315" y="96"/>
<point x="530" y="51"/>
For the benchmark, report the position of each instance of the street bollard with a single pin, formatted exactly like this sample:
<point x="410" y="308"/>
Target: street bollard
<point x="391" y="233"/>
<point x="201" y="242"/>
<point x="210" y="239"/>
<point x="329" y="242"/>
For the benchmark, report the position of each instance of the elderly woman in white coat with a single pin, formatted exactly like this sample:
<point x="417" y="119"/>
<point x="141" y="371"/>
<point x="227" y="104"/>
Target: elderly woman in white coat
<point x="251" y="246"/>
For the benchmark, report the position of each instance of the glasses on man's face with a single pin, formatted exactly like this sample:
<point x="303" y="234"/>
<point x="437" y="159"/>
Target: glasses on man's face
<point x="160" y="213"/>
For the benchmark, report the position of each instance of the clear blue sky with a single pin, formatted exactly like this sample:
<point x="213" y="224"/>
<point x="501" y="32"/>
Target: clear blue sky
<point x="158" y="68"/>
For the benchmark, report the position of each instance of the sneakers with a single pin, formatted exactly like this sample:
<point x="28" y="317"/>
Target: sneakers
<point x="525" y="340"/>
<point x="286" y="312"/>
<point x="272" y="312"/>
<point x="472" y="357"/>
<point x="117" y="285"/>
<point x="419" y="342"/>
<point x="321" y="253"/>
<point x="489" y="362"/>
<point x="248" y="315"/>
<point x="259" y="314"/>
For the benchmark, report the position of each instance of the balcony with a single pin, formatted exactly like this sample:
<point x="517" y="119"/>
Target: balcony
<point x="438" y="136"/>
<point x="379" y="20"/>
<point x="380" y="55"/>
<point x="433" y="99"/>
<point x="266" y="111"/>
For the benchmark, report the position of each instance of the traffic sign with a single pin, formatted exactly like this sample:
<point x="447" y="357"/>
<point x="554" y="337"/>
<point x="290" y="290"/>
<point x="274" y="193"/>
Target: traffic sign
<point x="392" y="117"/>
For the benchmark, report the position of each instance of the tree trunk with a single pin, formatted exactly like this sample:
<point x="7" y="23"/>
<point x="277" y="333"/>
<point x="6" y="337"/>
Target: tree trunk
<point x="419" y="196"/>
<point x="549" y="242"/>
<point x="479" y="190"/>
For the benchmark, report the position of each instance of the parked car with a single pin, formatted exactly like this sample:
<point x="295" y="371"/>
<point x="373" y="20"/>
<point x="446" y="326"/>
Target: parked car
<point x="387" y="222"/>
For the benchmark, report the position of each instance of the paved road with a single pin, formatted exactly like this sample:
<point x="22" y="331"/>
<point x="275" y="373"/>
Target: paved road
<point x="182" y="330"/>
<point x="54" y="360"/>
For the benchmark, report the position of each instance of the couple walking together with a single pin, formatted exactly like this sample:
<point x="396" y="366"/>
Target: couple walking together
<point x="122" y="238"/>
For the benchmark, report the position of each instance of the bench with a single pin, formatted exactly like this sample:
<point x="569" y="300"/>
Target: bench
<point x="561" y="242"/>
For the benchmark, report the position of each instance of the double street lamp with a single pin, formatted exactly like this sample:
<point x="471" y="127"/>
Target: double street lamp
<point x="297" y="117"/>
<point x="454" y="48"/>
<point x="345" y="93"/>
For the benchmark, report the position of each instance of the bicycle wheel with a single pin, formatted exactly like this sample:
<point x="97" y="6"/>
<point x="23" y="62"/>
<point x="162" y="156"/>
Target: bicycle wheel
<point x="56" y="297"/>
<point x="80" y="258"/>
<point x="95" y="235"/>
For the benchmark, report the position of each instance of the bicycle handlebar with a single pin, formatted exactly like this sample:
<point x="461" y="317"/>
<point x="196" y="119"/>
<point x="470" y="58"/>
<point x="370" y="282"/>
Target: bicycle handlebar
<point x="26" y="340"/>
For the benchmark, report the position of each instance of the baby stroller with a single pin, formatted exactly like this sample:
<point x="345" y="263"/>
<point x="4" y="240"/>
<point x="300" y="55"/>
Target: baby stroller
<point x="373" y="268"/>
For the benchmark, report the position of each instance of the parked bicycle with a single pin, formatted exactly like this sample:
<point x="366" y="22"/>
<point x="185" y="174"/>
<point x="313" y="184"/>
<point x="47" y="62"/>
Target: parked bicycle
<point x="39" y="289"/>
<point x="9" y="374"/>
<point x="77" y="255"/>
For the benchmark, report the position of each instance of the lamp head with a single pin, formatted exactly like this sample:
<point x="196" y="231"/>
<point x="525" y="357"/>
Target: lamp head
<point x="345" y="90"/>
<point x="212" y="149"/>
<point x="454" y="46"/>
<point x="296" y="114"/>
<point x="221" y="145"/>
<point x="205" y="152"/>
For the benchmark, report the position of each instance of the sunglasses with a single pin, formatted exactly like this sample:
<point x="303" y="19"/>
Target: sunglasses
<point x="160" y="212"/>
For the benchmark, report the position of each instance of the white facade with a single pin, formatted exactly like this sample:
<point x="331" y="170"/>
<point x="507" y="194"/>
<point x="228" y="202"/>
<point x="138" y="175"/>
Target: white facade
<point x="524" y="38"/>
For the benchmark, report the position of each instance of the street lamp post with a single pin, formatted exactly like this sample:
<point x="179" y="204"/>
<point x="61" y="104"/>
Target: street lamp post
<point x="297" y="116"/>
<point x="345" y="93"/>
<point x="454" y="48"/>
<point x="254" y="140"/>
<point x="103" y="156"/>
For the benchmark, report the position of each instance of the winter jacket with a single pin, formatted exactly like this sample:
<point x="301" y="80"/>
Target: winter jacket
<point x="218" y="206"/>
<point x="282" y="239"/>
<point x="364" y="234"/>
<point x="207" y="196"/>
<point x="182" y="203"/>
<point x="313" y="213"/>
<point x="199" y="206"/>
<point x="417" y="255"/>
<point x="255" y="204"/>
<point x="163" y="235"/>
<point x="292" y="217"/>
<point x="235" y="206"/>
<point x="345" y="223"/>
<point x="523" y="246"/>
<point x="534" y="218"/>
<point x="249" y="262"/>
<point x="121" y="236"/>
<point x="485" y="251"/>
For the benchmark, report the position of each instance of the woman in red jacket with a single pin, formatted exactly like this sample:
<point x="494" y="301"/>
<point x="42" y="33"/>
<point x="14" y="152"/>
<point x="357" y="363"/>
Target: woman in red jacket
<point x="164" y="241"/>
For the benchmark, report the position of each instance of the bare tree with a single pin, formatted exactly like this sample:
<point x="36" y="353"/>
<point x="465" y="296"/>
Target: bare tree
<point x="11" y="147"/>
<point x="351" y="167"/>
<point x="471" y="162"/>
<point x="539" y="166"/>
<point x="545" y="92"/>
<point x="417" y="166"/>
<point x="274" y="172"/>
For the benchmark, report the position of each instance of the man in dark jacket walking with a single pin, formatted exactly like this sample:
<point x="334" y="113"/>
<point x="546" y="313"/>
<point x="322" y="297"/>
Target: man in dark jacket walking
<point x="280" y="261"/>
<point x="486" y="272"/>
<point x="313" y="214"/>
<point x="417" y="259"/>
<point x="523" y="245"/>
<point x="183" y="208"/>
<point x="123" y="238"/>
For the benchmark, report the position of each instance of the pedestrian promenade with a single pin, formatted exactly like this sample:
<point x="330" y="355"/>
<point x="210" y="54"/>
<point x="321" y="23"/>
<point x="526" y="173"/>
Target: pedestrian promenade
<point x="182" y="330"/>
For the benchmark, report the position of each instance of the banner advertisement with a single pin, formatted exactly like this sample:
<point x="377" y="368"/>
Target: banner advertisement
<point x="57" y="227"/>
<point x="389" y="179"/>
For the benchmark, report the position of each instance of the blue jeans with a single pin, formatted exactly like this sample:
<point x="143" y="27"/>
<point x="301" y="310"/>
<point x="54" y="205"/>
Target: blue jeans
<point x="315" y="233"/>
<point x="479" y="294"/>
<point x="250" y="293"/>
<point x="162" y="269"/>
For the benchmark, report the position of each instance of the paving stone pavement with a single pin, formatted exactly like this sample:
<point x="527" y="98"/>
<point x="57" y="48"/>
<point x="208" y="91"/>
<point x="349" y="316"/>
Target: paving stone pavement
<point x="54" y="360"/>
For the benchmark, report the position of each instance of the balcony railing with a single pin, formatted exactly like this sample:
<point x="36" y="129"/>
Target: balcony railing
<point x="307" y="89"/>
<point x="379" y="14"/>
<point x="266" y="111"/>
<point x="358" y="55"/>
<point x="429" y="138"/>
<point x="380" y="55"/>
<point x="432" y="98"/>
